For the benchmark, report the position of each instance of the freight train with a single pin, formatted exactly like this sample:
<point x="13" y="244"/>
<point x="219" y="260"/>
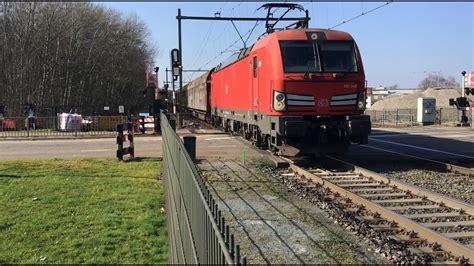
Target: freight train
<point x="297" y="91"/>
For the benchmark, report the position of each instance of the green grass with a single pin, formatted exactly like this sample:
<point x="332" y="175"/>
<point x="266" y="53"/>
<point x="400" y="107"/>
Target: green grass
<point x="87" y="211"/>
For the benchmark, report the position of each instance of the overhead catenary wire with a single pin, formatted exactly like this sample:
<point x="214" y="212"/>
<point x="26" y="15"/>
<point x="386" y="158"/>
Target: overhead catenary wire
<point x="241" y="37"/>
<point x="207" y="38"/>
<point x="219" y="37"/>
<point x="227" y="50"/>
<point x="197" y="56"/>
<point x="362" y="14"/>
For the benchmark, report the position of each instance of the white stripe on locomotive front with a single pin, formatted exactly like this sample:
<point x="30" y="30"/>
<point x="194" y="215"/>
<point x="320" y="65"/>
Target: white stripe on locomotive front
<point x="350" y="102"/>
<point x="344" y="97"/>
<point x="301" y="103"/>
<point x="300" y="97"/>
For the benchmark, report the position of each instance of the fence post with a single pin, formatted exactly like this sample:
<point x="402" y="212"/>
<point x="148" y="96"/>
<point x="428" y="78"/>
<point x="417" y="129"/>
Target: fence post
<point x="440" y="115"/>
<point x="120" y="142"/>
<point x="190" y="145"/>
<point x="142" y="123"/>
<point x="383" y="117"/>
<point x="130" y="137"/>
<point x="173" y="124"/>
<point x="396" y="119"/>
<point x="75" y="128"/>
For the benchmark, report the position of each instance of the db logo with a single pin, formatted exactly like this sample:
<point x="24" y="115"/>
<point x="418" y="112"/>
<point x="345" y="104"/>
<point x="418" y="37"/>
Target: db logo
<point x="322" y="102"/>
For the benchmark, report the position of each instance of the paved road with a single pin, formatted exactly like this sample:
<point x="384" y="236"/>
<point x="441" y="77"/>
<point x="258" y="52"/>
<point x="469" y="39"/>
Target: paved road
<point x="208" y="145"/>
<point x="450" y="145"/>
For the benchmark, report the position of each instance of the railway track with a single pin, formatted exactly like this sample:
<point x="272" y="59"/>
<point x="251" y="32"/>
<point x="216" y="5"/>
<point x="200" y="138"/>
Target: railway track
<point x="425" y="222"/>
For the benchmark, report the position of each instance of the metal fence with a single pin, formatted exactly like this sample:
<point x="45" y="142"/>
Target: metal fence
<point x="408" y="117"/>
<point x="59" y="126"/>
<point x="196" y="228"/>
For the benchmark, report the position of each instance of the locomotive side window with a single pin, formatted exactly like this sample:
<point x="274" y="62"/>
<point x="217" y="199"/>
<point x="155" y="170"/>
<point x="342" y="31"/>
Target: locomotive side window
<point x="300" y="56"/>
<point x="255" y="65"/>
<point x="338" y="56"/>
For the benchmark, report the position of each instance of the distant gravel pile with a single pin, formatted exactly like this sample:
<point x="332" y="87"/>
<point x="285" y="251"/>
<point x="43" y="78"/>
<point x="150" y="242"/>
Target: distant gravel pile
<point x="409" y="101"/>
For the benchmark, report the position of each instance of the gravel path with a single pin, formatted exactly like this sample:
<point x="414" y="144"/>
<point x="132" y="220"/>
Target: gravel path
<point x="274" y="225"/>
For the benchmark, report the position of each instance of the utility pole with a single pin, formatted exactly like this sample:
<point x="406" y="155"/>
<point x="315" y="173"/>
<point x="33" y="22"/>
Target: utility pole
<point x="157" y="103"/>
<point x="166" y="85"/>
<point x="180" y="53"/>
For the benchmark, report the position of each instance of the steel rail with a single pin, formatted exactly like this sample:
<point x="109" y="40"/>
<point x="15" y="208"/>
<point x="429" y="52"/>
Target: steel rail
<point x="446" y="243"/>
<point x="433" y="196"/>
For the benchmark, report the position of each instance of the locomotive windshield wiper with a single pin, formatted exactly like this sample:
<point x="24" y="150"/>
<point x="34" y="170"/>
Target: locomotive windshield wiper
<point x="306" y="73"/>
<point x="308" y="63"/>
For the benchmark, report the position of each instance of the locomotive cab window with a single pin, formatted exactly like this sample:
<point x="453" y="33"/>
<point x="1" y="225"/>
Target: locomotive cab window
<point x="338" y="56"/>
<point x="326" y="56"/>
<point x="299" y="56"/>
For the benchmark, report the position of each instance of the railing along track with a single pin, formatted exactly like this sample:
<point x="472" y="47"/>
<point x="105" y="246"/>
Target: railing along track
<point x="412" y="212"/>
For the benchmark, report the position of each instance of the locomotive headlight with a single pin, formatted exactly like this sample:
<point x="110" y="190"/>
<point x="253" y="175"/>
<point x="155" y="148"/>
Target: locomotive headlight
<point x="279" y="101"/>
<point x="361" y="101"/>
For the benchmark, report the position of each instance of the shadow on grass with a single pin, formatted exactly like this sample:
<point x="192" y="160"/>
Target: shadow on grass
<point x="10" y="176"/>
<point x="143" y="159"/>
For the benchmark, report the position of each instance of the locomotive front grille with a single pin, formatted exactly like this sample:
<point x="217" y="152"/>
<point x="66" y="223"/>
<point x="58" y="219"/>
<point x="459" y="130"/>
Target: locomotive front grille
<point x="344" y="100"/>
<point x="300" y="100"/>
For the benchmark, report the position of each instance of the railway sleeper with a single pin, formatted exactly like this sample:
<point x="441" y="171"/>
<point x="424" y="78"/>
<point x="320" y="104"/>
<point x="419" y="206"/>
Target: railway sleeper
<point x="365" y="190"/>
<point x="385" y="195"/>
<point x="353" y="181"/>
<point x="330" y="177"/>
<point x="435" y="215"/>
<point x="448" y="224"/>
<point x="413" y="208"/>
<point x="397" y="201"/>
<point x="460" y="235"/>
<point x="343" y="173"/>
<point x="360" y="185"/>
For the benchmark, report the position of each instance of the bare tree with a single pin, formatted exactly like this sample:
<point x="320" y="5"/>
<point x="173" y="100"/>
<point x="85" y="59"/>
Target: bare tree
<point x="437" y="81"/>
<point x="71" y="55"/>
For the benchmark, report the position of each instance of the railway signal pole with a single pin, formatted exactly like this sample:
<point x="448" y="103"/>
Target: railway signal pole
<point x="461" y="102"/>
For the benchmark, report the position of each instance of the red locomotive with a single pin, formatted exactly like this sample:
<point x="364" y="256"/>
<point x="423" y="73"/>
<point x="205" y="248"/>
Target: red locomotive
<point x="295" y="91"/>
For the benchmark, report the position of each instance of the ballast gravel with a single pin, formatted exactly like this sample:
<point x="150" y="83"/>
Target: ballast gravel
<point x="457" y="186"/>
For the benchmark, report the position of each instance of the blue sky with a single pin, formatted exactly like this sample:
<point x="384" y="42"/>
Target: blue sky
<point x="399" y="43"/>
